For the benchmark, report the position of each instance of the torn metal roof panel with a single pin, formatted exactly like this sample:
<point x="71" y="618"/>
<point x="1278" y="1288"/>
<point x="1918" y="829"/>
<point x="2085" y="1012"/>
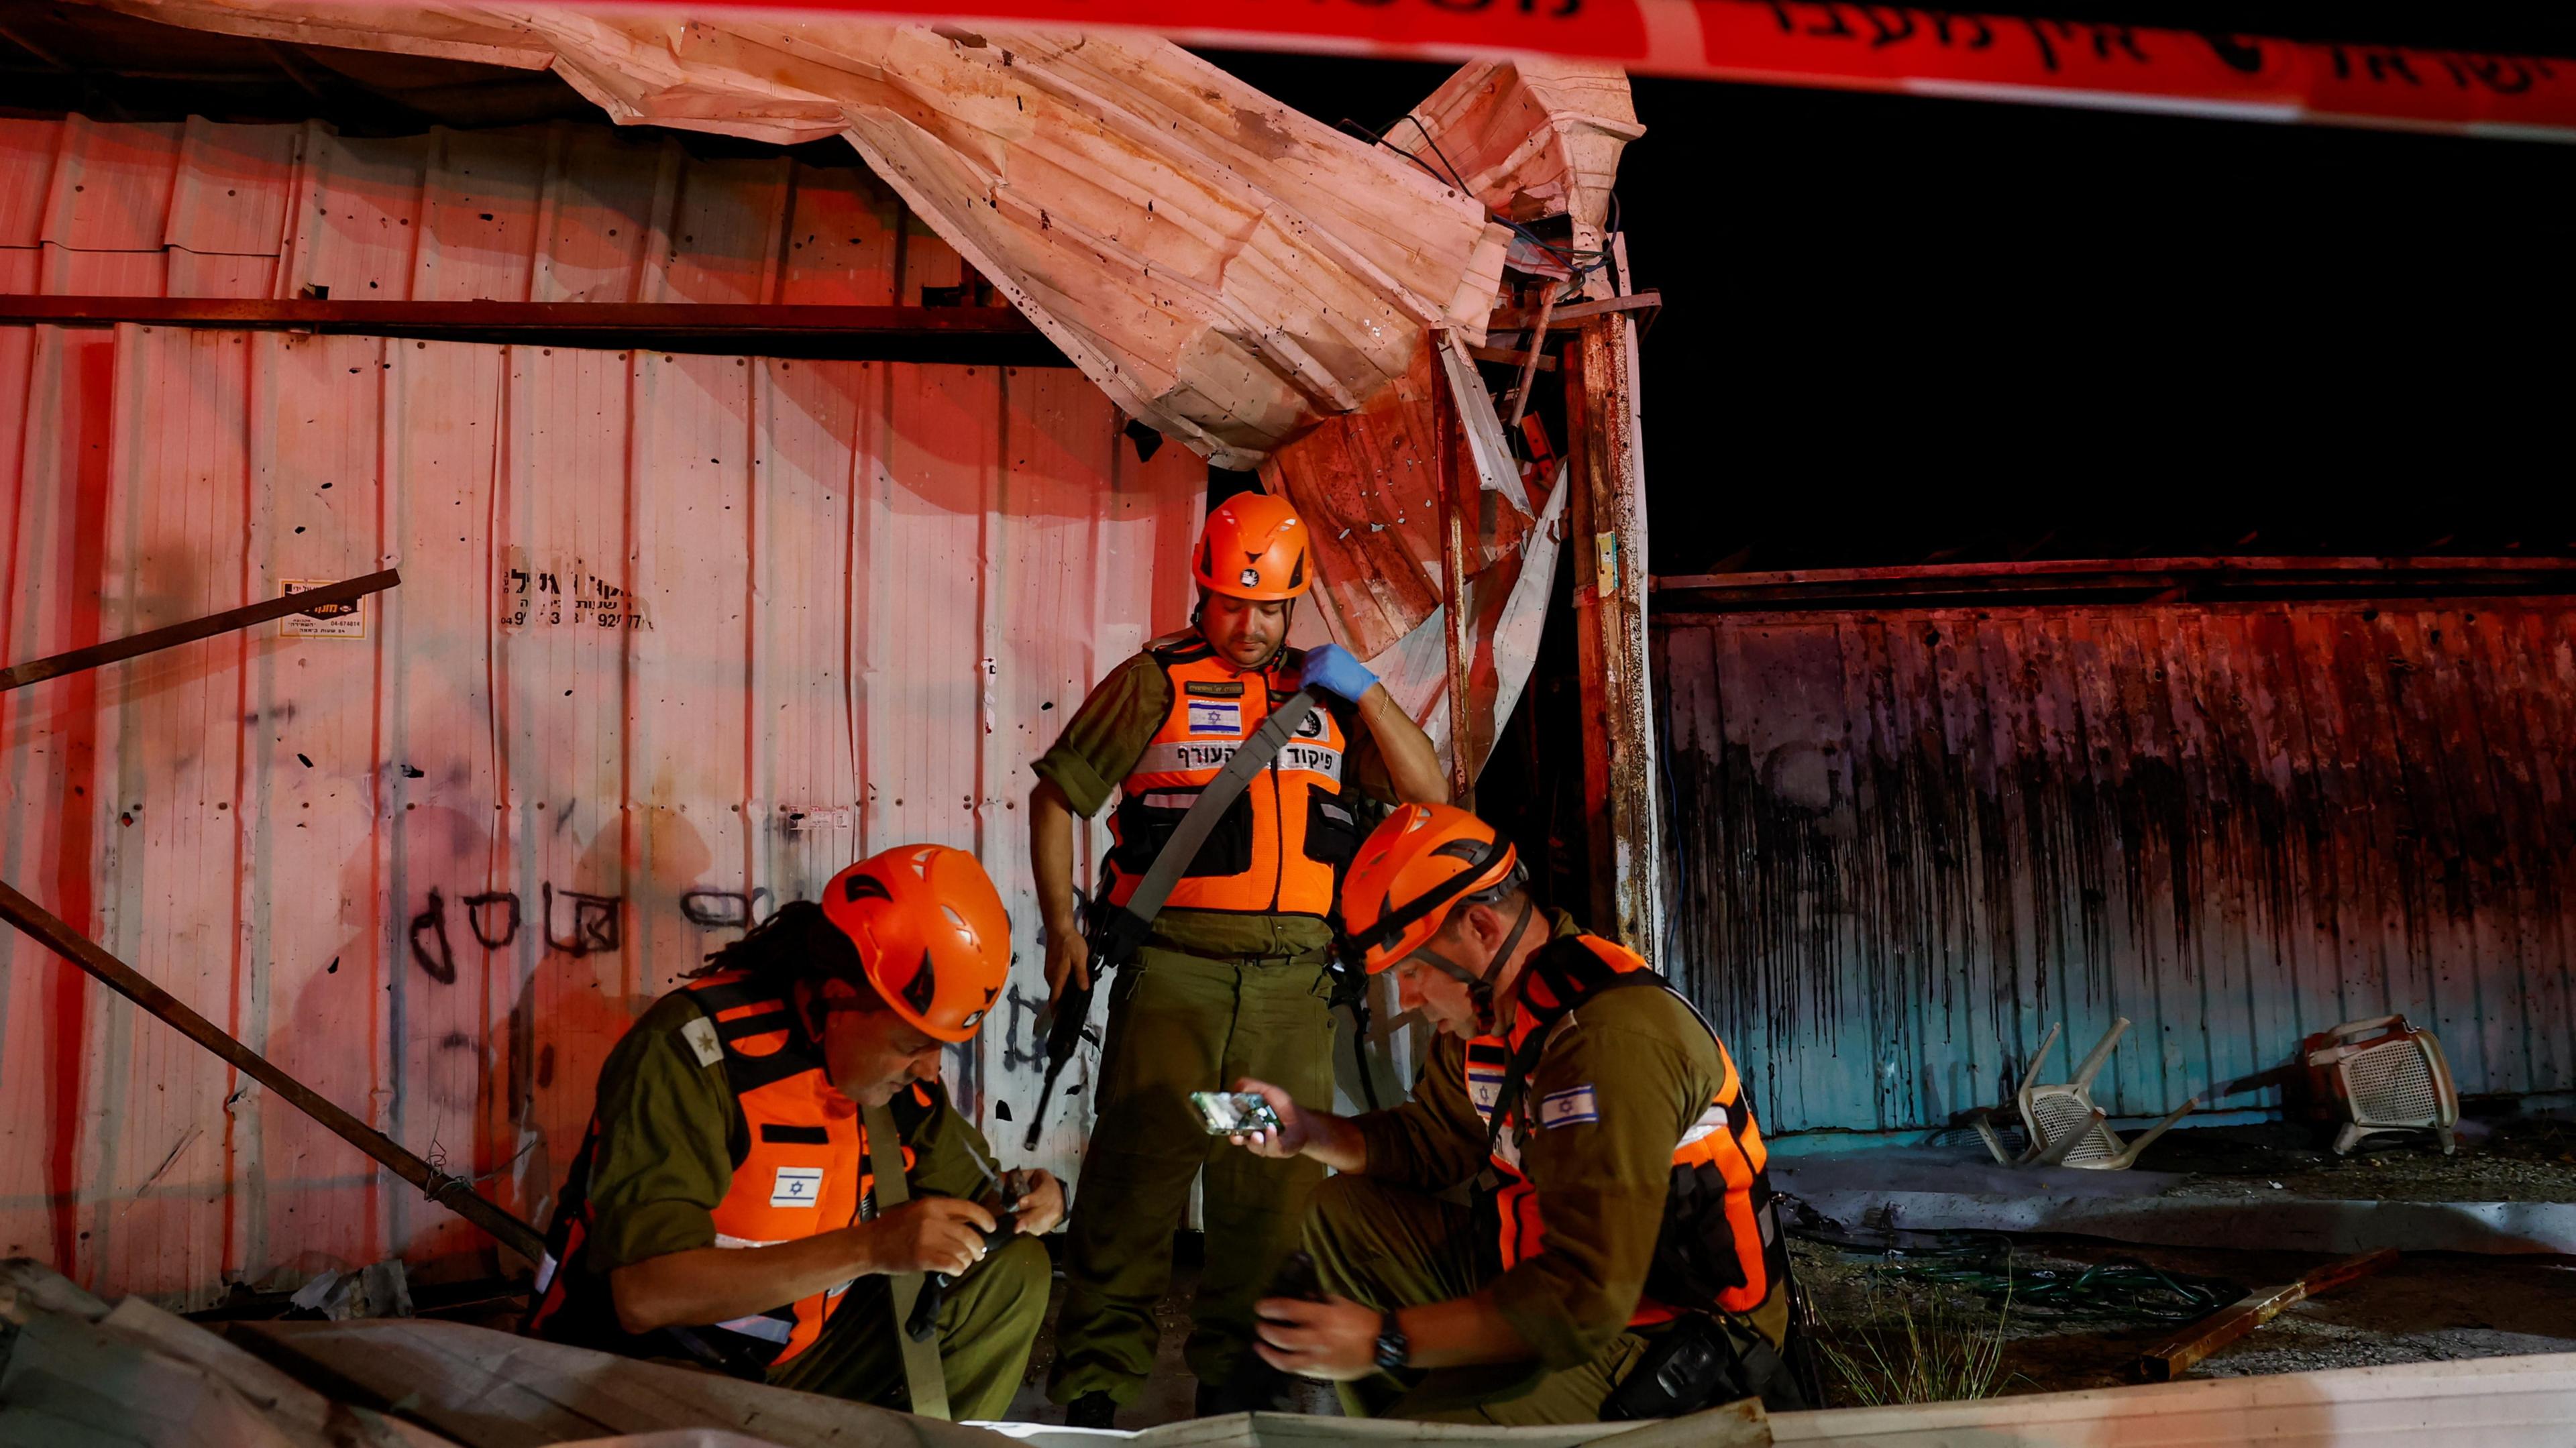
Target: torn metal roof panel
<point x="1220" y="265"/>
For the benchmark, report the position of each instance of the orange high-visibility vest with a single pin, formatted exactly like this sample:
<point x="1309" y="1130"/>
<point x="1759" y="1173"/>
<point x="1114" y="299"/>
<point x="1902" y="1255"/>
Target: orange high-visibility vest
<point x="800" y="1168"/>
<point x="1281" y="847"/>
<point x="1733" y="1226"/>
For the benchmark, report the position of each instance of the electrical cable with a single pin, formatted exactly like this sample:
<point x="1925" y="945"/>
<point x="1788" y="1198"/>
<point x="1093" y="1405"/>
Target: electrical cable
<point x="1984" y="1263"/>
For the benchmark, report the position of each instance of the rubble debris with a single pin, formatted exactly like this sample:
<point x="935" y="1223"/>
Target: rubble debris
<point x="2174" y="1356"/>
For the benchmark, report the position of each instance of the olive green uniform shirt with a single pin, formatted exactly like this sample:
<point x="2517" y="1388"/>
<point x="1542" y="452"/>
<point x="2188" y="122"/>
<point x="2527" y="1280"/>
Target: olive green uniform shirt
<point x="1100" y="746"/>
<point x="1652" y="1069"/>
<point x="669" y="1133"/>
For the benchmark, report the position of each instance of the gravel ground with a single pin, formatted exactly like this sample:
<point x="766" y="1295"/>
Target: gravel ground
<point x="2428" y="1307"/>
<point x="2518" y="1159"/>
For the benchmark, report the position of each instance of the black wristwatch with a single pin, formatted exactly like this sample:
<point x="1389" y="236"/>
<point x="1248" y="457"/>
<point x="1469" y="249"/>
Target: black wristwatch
<point x="1393" y="1347"/>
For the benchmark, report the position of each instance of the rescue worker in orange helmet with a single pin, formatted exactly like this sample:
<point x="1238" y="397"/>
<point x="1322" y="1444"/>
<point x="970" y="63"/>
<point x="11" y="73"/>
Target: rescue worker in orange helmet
<point x="1618" y="1255"/>
<point x="723" y="1206"/>
<point x="1231" y="982"/>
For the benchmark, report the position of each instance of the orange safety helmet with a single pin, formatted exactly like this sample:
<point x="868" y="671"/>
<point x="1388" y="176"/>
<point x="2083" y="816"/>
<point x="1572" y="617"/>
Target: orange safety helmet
<point x="1417" y="863"/>
<point x="1254" y="546"/>
<point x="932" y="935"/>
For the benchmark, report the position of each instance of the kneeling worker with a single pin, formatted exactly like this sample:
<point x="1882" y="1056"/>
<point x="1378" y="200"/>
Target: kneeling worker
<point x="724" y="1207"/>
<point x="1620" y="1258"/>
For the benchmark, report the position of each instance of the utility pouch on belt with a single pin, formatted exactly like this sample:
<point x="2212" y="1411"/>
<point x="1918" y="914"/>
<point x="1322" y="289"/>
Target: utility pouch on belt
<point x="1695" y="1255"/>
<point x="1700" y="1362"/>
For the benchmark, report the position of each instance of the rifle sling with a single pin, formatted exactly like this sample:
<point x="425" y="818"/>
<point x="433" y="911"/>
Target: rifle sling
<point x="1254" y="756"/>
<point x="923" y="1381"/>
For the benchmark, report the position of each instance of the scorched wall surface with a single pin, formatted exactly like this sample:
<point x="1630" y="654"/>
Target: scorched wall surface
<point x="678" y="637"/>
<point x="1907" y="841"/>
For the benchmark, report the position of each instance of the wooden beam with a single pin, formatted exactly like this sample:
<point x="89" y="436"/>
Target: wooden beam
<point x="50" y="931"/>
<point x="1538" y="346"/>
<point x="2174" y="1356"/>
<point x="1612" y="665"/>
<point x="1513" y="357"/>
<point x="1574" y="313"/>
<point x="995" y="335"/>
<point x="1454" y="478"/>
<point x="18" y="676"/>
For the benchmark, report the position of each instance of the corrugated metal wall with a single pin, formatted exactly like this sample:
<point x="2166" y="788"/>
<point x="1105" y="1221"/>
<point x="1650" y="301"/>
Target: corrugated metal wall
<point x="678" y="637"/>
<point x="1906" y="841"/>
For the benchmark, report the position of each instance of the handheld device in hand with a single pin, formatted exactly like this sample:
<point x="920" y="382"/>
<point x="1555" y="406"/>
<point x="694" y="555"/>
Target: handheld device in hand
<point x="1231" y="1113"/>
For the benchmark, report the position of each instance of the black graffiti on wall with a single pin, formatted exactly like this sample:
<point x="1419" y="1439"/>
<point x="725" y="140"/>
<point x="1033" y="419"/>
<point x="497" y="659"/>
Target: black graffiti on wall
<point x="571" y="922"/>
<point x="723" y="909"/>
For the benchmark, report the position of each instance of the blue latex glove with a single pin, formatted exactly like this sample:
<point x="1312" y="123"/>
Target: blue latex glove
<point x="1336" y="670"/>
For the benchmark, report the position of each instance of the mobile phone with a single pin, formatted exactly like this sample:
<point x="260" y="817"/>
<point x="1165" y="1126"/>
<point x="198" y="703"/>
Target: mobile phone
<point x="1232" y="1113"/>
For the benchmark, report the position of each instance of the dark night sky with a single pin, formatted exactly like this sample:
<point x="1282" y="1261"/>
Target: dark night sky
<point x="1896" y="326"/>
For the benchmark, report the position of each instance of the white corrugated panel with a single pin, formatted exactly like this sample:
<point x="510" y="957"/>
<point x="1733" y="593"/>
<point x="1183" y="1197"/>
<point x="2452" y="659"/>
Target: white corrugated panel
<point x="777" y="615"/>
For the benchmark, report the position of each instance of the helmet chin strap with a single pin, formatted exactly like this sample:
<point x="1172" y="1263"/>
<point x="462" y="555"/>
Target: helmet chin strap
<point x="1480" y="988"/>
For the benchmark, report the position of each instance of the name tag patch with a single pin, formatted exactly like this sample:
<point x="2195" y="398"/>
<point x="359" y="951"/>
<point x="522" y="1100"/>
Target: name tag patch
<point x="1216" y="716"/>
<point x="1570" y="1107"/>
<point x="797" y="1186"/>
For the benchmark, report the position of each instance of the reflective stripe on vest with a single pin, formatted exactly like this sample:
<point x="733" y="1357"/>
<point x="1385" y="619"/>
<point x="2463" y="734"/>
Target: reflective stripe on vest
<point x="1282" y="845"/>
<point x="1724" y="1136"/>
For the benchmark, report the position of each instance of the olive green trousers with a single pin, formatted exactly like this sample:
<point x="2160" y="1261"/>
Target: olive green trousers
<point x="986" y="1326"/>
<point x="1178" y="1024"/>
<point x="1387" y="1246"/>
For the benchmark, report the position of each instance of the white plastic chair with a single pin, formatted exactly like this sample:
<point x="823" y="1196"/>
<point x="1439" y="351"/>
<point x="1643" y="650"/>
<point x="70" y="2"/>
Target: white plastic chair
<point x="2396" y="1081"/>
<point x="2065" y="1127"/>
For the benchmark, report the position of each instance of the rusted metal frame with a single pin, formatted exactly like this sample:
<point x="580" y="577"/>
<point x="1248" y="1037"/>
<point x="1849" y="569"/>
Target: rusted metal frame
<point x="18" y="676"/>
<point x="2175" y="1356"/>
<point x="997" y="335"/>
<point x="1449" y="449"/>
<point x="2137" y="580"/>
<point x="1612" y="666"/>
<point x="453" y="1193"/>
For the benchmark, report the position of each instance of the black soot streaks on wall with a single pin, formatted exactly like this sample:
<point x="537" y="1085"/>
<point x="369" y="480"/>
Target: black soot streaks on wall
<point x="1904" y="843"/>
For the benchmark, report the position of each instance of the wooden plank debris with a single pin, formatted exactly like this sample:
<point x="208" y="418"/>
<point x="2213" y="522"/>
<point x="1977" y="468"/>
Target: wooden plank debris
<point x="18" y="676"/>
<point x="1533" y="357"/>
<point x="1528" y="362"/>
<point x="488" y="1389"/>
<point x="1449" y="446"/>
<point x="1570" y="314"/>
<point x="2175" y="1356"/>
<point x="81" y="1373"/>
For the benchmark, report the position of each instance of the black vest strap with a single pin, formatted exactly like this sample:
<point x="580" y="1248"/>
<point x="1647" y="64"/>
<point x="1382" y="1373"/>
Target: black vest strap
<point x="1563" y="974"/>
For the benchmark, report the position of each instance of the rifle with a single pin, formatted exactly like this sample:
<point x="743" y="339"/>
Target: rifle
<point x="1116" y="932"/>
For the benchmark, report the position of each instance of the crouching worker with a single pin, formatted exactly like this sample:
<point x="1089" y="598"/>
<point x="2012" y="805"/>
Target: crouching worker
<point x="725" y="1207"/>
<point x="1614" y="1253"/>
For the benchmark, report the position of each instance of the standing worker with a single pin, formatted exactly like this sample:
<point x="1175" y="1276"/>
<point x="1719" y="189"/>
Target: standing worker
<point x="724" y="1207"/>
<point x="1231" y="981"/>
<point x="1621" y="1257"/>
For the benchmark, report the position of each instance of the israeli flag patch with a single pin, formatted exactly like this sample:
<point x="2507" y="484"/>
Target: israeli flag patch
<point x="1570" y="1107"/>
<point x="1485" y="1089"/>
<point x="797" y="1186"/>
<point x="1216" y="716"/>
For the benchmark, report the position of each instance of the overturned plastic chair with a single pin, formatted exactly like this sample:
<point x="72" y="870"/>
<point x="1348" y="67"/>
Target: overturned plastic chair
<point x="2382" y="1075"/>
<point x="2065" y="1127"/>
